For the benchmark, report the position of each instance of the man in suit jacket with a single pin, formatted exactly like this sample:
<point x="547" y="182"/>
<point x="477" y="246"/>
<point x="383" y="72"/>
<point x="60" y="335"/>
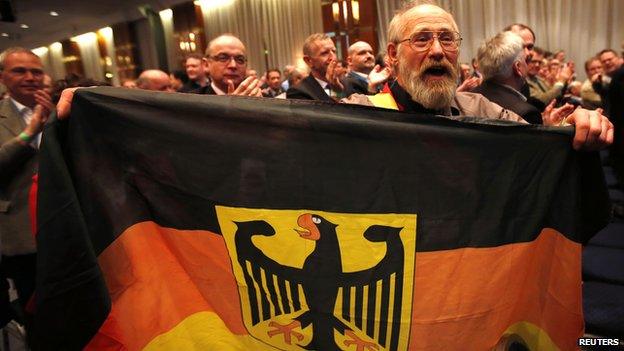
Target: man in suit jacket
<point x="361" y="61"/>
<point x="323" y="83"/>
<point x="226" y="57"/>
<point x="502" y="60"/>
<point x="22" y="115"/>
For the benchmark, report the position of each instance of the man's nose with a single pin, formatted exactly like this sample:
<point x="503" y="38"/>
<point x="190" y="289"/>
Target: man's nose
<point x="436" y="51"/>
<point x="232" y="62"/>
<point x="28" y="75"/>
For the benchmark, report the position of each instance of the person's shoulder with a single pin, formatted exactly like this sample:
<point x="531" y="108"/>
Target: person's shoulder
<point x="477" y="105"/>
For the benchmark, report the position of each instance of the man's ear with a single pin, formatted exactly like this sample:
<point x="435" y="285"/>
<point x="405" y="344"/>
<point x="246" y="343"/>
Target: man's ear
<point x="205" y="62"/>
<point x="516" y="69"/>
<point x="392" y="53"/>
<point x="307" y="60"/>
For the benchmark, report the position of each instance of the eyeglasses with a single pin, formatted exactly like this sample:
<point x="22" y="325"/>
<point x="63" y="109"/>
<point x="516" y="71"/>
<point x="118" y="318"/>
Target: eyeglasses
<point x="225" y="58"/>
<point x="422" y="41"/>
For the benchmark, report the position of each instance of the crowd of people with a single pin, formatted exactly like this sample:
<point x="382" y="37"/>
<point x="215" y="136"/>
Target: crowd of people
<point x="511" y="78"/>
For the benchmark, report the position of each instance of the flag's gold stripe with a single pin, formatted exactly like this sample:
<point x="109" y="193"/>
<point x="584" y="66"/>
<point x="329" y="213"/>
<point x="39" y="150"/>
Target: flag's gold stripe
<point x="365" y="309"/>
<point x="377" y="309"/>
<point x="256" y="288"/>
<point x="352" y="302"/>
<point x="289" y="295"/>
<point x="265" y="288"/>
<point x="390" y="310"/>
<point x="278" y="293"/>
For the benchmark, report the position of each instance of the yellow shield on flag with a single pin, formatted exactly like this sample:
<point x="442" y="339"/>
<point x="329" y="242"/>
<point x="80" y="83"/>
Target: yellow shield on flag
<point x="320" y="280"/>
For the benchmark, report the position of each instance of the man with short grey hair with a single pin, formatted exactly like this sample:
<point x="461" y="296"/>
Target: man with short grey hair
<point x="22" y="116"/>
<point x="323" y="83"/>
<point x="502" y="60"/>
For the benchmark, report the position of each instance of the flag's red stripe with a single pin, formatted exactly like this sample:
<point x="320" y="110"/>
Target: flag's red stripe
<point x="159" y="276"/>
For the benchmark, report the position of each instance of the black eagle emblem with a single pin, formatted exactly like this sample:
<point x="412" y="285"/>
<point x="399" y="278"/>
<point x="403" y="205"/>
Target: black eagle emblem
<point x="320" y="279"/>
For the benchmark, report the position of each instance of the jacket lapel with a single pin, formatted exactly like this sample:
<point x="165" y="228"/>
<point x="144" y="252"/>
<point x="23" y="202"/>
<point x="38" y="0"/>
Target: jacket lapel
<point x="10" y="118"/>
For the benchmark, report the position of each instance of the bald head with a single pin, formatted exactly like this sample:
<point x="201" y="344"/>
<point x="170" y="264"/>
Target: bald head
<point x="154" y="79"/>
<point x="224" y="40"/>
<point x="361" y="57"/>
<point x="405" y="21"/>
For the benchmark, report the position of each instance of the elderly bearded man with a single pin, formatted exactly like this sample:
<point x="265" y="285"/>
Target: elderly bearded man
<point x="423" y="46"/>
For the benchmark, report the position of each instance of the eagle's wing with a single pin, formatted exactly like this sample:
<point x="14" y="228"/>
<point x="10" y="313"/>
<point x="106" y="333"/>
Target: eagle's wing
<point x="273" y="289"/>
<point x="382" y="284"/>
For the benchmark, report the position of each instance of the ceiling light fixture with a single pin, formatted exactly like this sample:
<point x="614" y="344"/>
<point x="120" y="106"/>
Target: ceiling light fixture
<point x="54" y="13"/>
<point x="24" y="26"/>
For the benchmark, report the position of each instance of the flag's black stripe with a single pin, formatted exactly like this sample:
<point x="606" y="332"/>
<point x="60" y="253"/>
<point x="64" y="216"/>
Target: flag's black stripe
<point x="266" y="309"/>
<point x="333" y="141"/>
<point x="359" y="301"/>
<point x="253" y="299"/>
<point x="273" y="293"/>
<point x="396" y="313"/>
<point x="346" y="303"/>
<point x="370" y="313"/>
<point x="383" y="314"/>
<point x="281" y="283"/>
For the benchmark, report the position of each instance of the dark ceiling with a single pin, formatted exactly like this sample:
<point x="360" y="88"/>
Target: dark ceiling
<point x="75" y="17"/>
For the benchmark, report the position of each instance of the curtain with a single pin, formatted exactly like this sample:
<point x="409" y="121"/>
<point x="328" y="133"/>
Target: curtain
<point x="110" y="61"/>
<point x="57" y="67"/>
<point x="580" y="27"/>
<point x="166" y="17"/>
<point x="273" y="31"/>
<point x="90" y="56"/>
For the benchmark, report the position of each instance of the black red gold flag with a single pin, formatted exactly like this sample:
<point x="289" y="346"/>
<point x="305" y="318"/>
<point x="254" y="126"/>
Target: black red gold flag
<point x="187" y="222"/>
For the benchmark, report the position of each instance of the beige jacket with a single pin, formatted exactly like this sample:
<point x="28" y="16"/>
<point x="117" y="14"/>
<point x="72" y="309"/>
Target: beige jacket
<point x="18" y="163"/>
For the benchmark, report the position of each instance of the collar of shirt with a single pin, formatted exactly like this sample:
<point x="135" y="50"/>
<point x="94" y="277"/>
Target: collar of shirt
<point x="328" y="90"/>
<point x="24" y="111"/>
<point x="361" y="75"/>
<point x="217" y="90"/>
<point x="322" y="83"/>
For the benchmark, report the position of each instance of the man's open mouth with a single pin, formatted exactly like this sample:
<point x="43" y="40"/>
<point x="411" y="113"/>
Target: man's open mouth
<point x="438" y="71"/>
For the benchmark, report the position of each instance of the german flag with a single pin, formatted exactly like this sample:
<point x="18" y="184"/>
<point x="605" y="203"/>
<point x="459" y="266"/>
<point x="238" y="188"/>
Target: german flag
<point x="186" y="222"/>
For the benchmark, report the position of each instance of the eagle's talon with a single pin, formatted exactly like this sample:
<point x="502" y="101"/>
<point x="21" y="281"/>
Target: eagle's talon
<point x="361" y="345"/>
<point x="287" y="330"/>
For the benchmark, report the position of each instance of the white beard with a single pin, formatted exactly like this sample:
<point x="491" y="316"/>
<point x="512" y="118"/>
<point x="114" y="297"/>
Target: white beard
<point x="436" y="95"/>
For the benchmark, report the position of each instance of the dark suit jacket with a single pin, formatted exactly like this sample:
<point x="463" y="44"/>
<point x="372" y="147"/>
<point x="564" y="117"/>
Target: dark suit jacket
<point x="354" y="84"/>
<point x="510" y="100"/>
<point x="308" y="89"/>
<point x="206" y="89"/>
<point x="18" y="163"/>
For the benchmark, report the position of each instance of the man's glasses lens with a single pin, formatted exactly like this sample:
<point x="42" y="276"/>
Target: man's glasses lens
<point x="223" y="58"/>
<point x="423" y="40"/>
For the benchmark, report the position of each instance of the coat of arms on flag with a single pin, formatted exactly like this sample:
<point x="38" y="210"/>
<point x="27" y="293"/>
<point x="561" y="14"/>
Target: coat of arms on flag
<point x="321" y="280"/>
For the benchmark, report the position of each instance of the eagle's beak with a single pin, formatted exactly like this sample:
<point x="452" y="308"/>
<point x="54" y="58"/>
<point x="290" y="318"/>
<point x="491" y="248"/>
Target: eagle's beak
<point x="307" y="229"/>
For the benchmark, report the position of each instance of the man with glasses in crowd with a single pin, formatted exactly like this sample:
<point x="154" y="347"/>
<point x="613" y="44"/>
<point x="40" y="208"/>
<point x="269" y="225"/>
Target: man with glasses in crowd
<point x="423" y="47"/>
<point x="227" y="65"/>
